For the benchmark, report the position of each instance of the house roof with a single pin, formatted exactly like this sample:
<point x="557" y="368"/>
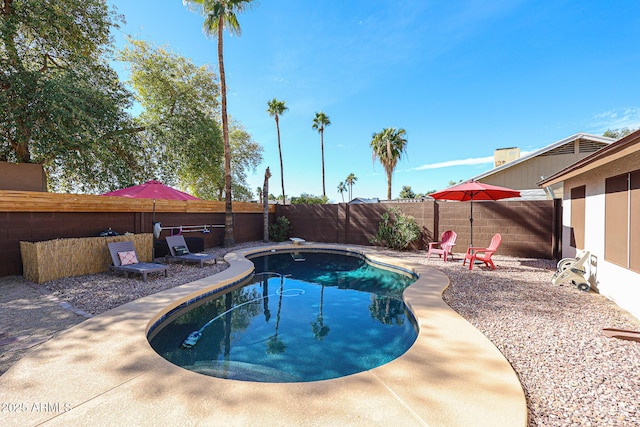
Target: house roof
<point x="622" y="147"/>
<point x="577" y="136"/>
<point x="359" y="200"/>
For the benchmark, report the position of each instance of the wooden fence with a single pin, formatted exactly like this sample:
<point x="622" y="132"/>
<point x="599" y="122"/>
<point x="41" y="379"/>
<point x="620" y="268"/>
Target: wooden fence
<point x="39" y="216"/>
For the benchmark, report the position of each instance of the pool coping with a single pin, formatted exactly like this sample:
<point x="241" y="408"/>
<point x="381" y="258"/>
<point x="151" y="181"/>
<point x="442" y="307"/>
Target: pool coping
<point x="104" y="369"/>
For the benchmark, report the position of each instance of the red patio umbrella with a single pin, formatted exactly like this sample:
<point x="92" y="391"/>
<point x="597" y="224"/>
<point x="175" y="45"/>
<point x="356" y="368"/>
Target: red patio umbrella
<point x="151" y="190"/>
<point x="473" y="190"/>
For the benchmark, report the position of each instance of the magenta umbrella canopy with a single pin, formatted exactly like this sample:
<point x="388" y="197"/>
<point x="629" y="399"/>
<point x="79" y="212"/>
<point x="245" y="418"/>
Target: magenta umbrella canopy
<point x="151" y="190"/>
<point x="473" y="190"/>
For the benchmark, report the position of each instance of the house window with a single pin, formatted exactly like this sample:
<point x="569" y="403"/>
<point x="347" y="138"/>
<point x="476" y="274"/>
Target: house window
<point x="622" y="220"/>
<point x="577" y="217"/>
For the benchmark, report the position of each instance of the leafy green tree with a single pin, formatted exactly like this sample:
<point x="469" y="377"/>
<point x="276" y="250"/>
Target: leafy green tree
<point x="218" y="15"/>
<point x="320" y="121"/>
<point x="179" y="108"/>
<point x="179" y="124"/>
<point x="407" y="193"/>
<point x="387" y="146"/>
<point x="61" y="104"/>
<point x="618" y="133"/>
<point x="206" y="178"/>
<point x="275" y="110"/>
<point x="342" y="188"/>
<point x="309" y="199"/>
<point x="351" y="179"/>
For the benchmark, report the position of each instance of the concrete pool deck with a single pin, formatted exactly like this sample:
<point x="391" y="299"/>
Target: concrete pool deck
<point x="104" y="370"/>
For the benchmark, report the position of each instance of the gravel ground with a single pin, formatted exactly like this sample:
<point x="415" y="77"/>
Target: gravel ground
<point x="572" y="375"/>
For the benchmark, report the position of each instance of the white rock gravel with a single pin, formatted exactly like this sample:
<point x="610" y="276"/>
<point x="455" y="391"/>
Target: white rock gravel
<point x="572" y="375"/>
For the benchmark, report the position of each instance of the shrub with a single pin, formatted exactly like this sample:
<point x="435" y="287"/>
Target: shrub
<point x="280" y="230"/>
<point x="309" y="199"/>
<point x="396" y="230"/>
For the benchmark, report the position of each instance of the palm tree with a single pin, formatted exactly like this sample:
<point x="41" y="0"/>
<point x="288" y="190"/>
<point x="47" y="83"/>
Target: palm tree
<point x="320" y="121"/>
<point x="218" y="15"/>
<point x="341" y="189"/>
<point x="388" y="146"/>
<point x="351" y="179"/>
<point x="276" y="109"/>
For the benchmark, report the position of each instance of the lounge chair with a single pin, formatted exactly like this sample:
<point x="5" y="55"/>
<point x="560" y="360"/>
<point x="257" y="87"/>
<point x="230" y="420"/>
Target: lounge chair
<point x="483" y="254"/>
<point x="180" y="252"/>
<point x="445" y="246"/>
<point x="125" y="259"/>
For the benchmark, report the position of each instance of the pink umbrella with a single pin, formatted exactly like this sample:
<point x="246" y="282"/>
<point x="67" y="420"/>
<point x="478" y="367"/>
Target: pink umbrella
<point x="473" y="190"/>
<point x="151" y="190"/>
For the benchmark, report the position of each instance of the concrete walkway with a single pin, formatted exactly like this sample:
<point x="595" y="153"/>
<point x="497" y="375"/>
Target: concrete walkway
<point x="104" y="371"/>
<point x="29" y="317"/>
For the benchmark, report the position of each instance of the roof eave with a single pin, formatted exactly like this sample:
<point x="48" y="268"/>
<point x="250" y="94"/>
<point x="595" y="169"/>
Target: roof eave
<point x="622" y="147"/>
<point x="579" y="135"/>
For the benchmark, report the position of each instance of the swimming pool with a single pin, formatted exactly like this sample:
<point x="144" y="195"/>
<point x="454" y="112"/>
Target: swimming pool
<point x="303" y="316"/>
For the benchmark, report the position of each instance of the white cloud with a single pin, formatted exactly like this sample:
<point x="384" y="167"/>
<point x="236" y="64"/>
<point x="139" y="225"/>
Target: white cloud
<point x="465" y="162"/>
<point x="615" y="119"/>
<point x="451" y="163"/>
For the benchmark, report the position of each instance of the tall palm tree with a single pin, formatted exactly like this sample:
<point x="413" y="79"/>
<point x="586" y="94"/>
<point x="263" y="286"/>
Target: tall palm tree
<point x="341" y="189"/>
<point x="320" y="121"/>
<point x="387" y="146"/>
<point x="351" y="179"/>
<point x="276" y="109"/>
<point x="218" y="15"/>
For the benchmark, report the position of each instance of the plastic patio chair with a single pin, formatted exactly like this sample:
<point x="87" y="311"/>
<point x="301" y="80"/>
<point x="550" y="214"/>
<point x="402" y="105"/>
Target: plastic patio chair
<point x="445" y="246"/>
<point x="483" y="254"/>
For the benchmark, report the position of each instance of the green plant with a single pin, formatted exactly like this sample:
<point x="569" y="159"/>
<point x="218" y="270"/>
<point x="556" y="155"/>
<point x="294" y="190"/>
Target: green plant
<point x="396" y="230"/>
<point x="280" y="230"/>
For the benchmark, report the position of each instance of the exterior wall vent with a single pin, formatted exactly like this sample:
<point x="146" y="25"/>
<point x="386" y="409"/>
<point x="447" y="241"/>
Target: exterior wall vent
<point x="567" y="148"/>
<point x="586" y="146"/>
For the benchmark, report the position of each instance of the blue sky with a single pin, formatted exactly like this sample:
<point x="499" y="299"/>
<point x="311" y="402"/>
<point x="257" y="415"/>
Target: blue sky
<point x="463" y="78"/>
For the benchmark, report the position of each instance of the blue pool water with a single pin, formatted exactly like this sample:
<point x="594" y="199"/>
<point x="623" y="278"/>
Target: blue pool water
<point x="323" y="316"/>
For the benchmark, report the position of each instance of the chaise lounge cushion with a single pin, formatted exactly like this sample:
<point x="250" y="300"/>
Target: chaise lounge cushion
<point x="128" y="258"/>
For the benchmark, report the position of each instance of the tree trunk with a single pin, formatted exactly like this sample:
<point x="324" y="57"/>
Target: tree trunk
<point x="324" y="193"/>
<point x="389" y="173"/>
<point x="265" y="202"/>
<point x="284" y="198"/>
<point x="228" y="206"/>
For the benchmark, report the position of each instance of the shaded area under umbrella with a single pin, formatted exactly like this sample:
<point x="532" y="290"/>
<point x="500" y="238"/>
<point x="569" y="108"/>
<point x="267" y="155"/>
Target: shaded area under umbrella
<point x="474" y="190"/>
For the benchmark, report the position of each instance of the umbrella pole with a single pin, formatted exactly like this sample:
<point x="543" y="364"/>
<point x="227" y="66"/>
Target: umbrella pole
<point x="471" y="223"/>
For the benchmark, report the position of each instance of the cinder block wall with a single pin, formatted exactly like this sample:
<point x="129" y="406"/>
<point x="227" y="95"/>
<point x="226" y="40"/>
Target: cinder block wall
<point x="526" y="226"/>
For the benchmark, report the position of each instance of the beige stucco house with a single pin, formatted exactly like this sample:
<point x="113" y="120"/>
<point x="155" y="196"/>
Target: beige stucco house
<point x="601" y="214"/>
<point x="524" y="172"/>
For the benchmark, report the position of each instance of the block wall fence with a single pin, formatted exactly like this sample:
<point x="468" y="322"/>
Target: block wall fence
<point x="529" y="228"/>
